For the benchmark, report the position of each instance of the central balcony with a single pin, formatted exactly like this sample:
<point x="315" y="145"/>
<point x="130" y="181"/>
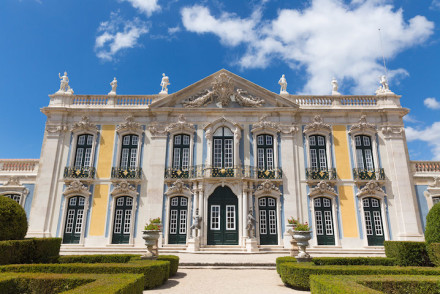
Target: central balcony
<point x="126" y="173"/>
<point x="361" y="174"/>
<point x="316" y="174"/>
<point x="71" y="172"/>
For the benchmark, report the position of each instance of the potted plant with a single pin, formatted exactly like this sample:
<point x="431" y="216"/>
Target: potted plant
<point x="156" y="221"/>
<point x="151" y="234"/>
<point x="302" y="234"/>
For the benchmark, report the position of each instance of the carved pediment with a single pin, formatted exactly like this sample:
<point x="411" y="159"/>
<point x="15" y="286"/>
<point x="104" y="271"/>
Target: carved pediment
<point x="371" y="188"/>
<point x="130" y="126"/>
<point x="267" y="188"/>
<point x="322" y="188"/>
<point x="76" y="188"/>
<point x="317" y="126"/>
<point x="362" y="127"/>
<point x="124" y="189"/>
<point x="178" y="188"/>
<point x="264" y="125"/>
<point x="180" y="125"/>
<point x="84" y="126"/>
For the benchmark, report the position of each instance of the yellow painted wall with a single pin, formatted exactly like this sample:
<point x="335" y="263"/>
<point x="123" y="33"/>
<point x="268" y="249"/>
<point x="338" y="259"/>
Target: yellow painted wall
<point x="101" y="192"/>
<point x="346" y="193"/>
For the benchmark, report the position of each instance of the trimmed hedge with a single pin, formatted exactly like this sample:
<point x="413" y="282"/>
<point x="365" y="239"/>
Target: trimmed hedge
<point x="354" y="261"/>
<point x="12" y="283"/>
<point x="297" y="275"/>
<point x="374" y="284"/>
<point x="155" y="272"/>
<point x="174" y="262"/>
<point x="434" y="253"/>
<point x="407" y="253"/>
<point x="97" y="258"/>
<point x="38" y="250"/>
<point x="284" y="259"/>
<point x="13" y="220"/>
<point x="432" y="230"/>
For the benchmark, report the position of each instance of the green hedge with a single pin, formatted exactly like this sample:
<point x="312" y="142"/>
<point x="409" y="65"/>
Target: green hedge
<point x="327" y="284"/>
<point x="155" y="272"/>
<point x="354" y="261"/>
<point x="12" y="283"/>
<point x="296" y="275"/>
<point x="434" y="253"/>
<point x="174" y="262"/>
<point x="284" y="259"/>
<point x="38" y="250"/>
<point x="97" y="258"/>
<point x="407" y="253"/>
<point x="432" y="230"/>
<point x="13" y="220"/>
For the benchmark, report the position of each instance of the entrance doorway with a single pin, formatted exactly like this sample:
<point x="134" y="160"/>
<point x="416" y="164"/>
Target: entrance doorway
<point x="178" y="220"/>
<point x="267" y="207"/>
<point x="223" y="217"/>
<point x="324" y="221"/>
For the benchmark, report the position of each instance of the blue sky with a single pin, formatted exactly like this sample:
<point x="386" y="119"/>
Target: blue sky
<point x="137" y="40"/>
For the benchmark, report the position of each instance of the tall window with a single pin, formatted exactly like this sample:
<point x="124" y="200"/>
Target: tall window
<point x="364" y="154"/>
<point x="265" y="152"/>
<point x="318" y="157"/>
<point x="223" y="148"/>
<point x="181" y="152"/>
<point x="83" y="151"/>
<point x="15" y="197"/>
<point x="129" y="151"/>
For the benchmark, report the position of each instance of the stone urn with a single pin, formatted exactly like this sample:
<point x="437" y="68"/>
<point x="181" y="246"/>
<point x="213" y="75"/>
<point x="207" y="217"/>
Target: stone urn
<point x="302" y="238"/>
<point x="294" y="246"/>
<point x="151" y="237"/>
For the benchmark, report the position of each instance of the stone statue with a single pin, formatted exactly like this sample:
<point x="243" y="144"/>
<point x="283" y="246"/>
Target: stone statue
<point x="283" y="83"/>
<point x="384" y="88"/>
<point x="196" y="224"/>
<point x="335" y="87"/>
<point x="114" y="85"/>
<point x="164" y="83"/>
<point x="64" y="84"/>
<point x="250" y="224"/>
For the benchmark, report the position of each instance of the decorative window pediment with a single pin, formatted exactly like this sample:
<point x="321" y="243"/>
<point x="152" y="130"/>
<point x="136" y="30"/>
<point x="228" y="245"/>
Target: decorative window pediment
<point x="130" y="126"/>
<point x="76" y="188"/>
<point x="317" y="126"/>
<point x="372" y="188"/>
<point x="267" y="188"/>
<point x="85" y="126"/>
<point x="322" y="189"/>
<point x="222" y="121"/>
<point x="124" y="189"/>
<point x="180" y="126"/>
<point x="265" y="126"/>
<point x="13" y="186"/>
<point x="363" y="127"/>
<point x="179" y="188"/>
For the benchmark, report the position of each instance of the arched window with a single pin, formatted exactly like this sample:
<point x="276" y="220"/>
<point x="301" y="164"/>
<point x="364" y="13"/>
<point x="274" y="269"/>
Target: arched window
<point x="129" y="152"/>
<point x="122" y="220"/>
<point x="223" y="151"/>
<point x="74" y="220"/>
<point x="265" y="155"/>
<point x="181" y="145"/>
<point x="373" y="221"/>
<point x="83" y="151"/>
<point x="364" y="153"/>
<point x="15" y="197"/>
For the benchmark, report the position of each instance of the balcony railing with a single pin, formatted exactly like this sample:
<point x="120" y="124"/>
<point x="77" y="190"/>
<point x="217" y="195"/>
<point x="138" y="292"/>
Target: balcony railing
<point x="320" y="174"/>
<point x="426" y="166"/>
<point x="363" y="174"/>
<point x="200" y="171"/>
<point x="79" y="172"/>
<point x="126" y="173"/>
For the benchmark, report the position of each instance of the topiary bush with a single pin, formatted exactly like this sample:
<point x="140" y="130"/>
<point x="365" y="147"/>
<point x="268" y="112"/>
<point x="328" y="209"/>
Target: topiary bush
<point x="284" y="259"/>
<point x="354" y="261"/>
<point x="13" y="221"/>
<point x="407" y="253"/>
<point x="434" y="253"/>
<point x="432" y="231"/>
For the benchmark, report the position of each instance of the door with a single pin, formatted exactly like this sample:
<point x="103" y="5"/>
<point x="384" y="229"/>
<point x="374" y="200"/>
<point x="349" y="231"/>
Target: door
<point x="122" y="220"/>
<point x="373" y="221"/>
<point x="324" y="221"/>
<point x="223" y="217"/>
<point x="74" y="220"/>
<point x="268" y="221"/>
<point x="178" y="220"/>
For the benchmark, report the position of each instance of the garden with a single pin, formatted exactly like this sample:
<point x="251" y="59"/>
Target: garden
<point x="409" y="267"/>
<point x="35" y="266"/>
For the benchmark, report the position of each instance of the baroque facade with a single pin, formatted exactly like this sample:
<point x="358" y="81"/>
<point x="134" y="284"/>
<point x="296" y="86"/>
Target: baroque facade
<point x="216" y="154"/>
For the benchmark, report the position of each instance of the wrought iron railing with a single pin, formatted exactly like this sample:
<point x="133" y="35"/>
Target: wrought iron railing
<point x="176" y="173"/>
<point x="126" y="173"/>
<point x="79" y="172"/>
<point x="363" y="174"/>
<point x="320" y="174"/>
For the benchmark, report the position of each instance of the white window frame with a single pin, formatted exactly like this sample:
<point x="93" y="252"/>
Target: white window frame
<point x="84" y="223"/>
<point x="75" y="135"/>
<point x="211" y="218"/>
<point x="334" y="205"/>
<point x="274" y="194"/>
<point x="116" y="196"/>
<point x="381" y="198"/>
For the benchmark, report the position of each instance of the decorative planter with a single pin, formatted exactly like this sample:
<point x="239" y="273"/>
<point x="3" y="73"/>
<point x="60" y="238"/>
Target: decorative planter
<point x="294" y="247"/>
<point x="302" y="238"/>
<point x="151" y="237"/>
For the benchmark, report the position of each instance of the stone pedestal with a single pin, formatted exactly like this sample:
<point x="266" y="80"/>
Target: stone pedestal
<point x="193" y="244"/>
<point x="251" y="245"/>
<point x="293" y="248"/>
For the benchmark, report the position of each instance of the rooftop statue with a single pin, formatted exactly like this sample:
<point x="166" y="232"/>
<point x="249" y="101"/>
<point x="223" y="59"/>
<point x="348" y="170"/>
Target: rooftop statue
<point x="384" y="89"/>
<point x="164" y="83"/>
<point x="335" y="87"/>
<point x="64" y="84"/>
<point x="283" y="83"/>
<point x="114" y="85"/>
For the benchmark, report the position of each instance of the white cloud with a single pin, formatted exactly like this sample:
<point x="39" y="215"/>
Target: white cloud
<point x="145" y="6"/>
<point x="174" y="30"/>
<point x="431" y="103"/>
<point x="435" y="4"/>
<point x="410" y="119"/>
<point x="118" y="34"/>
<point x="430" y="135"/>
<point x="328" y="38"/>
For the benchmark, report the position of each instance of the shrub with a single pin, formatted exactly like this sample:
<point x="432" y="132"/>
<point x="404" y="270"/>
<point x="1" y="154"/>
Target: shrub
<point x="97" y="258"/>
<point x="13" y="221"/>
<point x="432" y="231"/>
<point x="374" y="284"/>
<point x="296" y="275"/>
<point x="407" y="253"/>
<point x="434" y="253"/>
<point x="174" y="262"/>
<point x="155" y="272"/>
<point x="38" y="250"/>
<point x="284" y="259"/>
<point x="354" y="261"/>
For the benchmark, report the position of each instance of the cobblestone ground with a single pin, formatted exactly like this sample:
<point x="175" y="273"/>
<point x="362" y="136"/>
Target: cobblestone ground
<point x="229" y="281"/>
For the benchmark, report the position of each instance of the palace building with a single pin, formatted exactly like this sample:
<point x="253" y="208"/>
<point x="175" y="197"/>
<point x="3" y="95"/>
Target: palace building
<point x="223" y="150"/>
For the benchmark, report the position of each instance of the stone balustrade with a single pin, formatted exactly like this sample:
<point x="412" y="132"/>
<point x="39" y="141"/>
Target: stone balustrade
<point x="18" y="165"/>
<point x="425" y="166"/>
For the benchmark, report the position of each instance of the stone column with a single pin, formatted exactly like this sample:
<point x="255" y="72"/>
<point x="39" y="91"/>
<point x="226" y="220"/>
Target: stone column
<point x="245" y="209"/>
<point x="202" y="212"/>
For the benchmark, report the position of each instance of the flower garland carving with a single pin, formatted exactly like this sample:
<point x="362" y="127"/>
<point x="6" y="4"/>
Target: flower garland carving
<point x="362" y="126"/>
<point x="322" y="188"/>
<point x="124" y="188"/>
<point x="179" y="187"/>
<point x="77" y="188"/>
<point x="317" y="126"/>
<point x="264" y="124"/>
<point x="130" y="125"/>
<point x="84" y="125"/>
<point x="267" y="187"/>
<point x="180" y="125"/>
<point x="371" y="188"/>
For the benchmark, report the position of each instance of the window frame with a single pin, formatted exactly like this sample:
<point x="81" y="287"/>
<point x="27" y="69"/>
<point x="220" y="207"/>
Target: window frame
<point x="224" y="138"/>
<point x="121" y="135"/>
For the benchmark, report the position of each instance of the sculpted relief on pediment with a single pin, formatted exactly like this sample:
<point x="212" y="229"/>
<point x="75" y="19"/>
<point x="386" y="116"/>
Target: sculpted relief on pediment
<point x="222" y="93"/>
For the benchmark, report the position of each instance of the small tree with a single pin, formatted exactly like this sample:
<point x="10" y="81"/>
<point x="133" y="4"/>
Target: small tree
<point x="432" y="231"/>
<point x="13" y="220"/>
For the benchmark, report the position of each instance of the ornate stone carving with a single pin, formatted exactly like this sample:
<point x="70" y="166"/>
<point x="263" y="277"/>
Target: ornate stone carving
<point x="371" y="188"/>
<point x="222" y="94"/>
<point x="179" y="188"/>
<point x="77" y="188"/>
<point x="384" y="89"/>
<point x="335" y="87"/>
<point x="124" y="188"/>
<point x="157" y="129"/>
<point x="180" y="125"/>
<point x="53" y="129"/>
<point x="432" y="191"/>
<point x="64" y="85"/>
<point x="114" y="85"/>
<point x="393" y="131"/>
<point x="13" y="181"/>
<point x="164" y="84"/>
<point x="84" y="125"/>
<point x="267" y="187"/>
<point x="322" y="188"/>
<point x="317" y="126"/>
<point x="130" y="126"/>
<point x="363" y="126"/>
<point x="283" y="83"/>
<point x="436" y="183"/>
<point x="264" y="124"/>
